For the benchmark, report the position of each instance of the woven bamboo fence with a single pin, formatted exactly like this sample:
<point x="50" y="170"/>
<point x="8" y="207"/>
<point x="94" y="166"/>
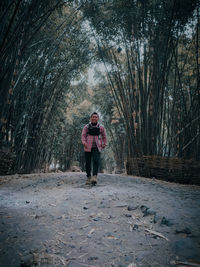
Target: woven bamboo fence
<point x="168" y="169"/>
<point x="6" y="162"/>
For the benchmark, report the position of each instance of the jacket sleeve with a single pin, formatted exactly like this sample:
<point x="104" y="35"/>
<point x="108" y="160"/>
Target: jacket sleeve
<point x="84" y="135"/>
<point x="104" y="136"/>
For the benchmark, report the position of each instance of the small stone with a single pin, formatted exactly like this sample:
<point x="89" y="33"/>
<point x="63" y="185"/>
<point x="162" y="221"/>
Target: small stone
<point x="135" y="227"/>
<point x="128" y="215"/>
<point x="131" y="207"/>
<point x="39" y="216"/>
<point x="72" y="246"/>
<point x="27" y="201"/>
<point x="108" y="234"/>
<point x="148" y="212"/>
<point x="27" y="261"/>
<point x="166" y="222"/>
<point x="93" y="258"/>
<point x="85" y="208"/>
<point x="104" y="205"/>
<point x="186" y="231"/>
<point x="155" y="219"/>
<point x="143" y="208"/>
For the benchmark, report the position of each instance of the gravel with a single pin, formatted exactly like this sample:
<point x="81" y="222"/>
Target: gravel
<point x="57" y="220"/>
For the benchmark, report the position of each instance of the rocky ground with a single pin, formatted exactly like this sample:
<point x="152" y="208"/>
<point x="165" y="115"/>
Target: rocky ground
<point x="56" y="220"/>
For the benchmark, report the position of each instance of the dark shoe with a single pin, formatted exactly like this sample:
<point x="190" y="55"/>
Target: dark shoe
<point x="88" y="182"/>
<point x="94" y="180"/>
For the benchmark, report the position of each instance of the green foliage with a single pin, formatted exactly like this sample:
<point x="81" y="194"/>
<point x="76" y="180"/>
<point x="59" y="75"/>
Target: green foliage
<point x="53" y="53"/>
<point x="139" y="43"/>
<point x="114" y="155"/>
<point x="149" y="103"/>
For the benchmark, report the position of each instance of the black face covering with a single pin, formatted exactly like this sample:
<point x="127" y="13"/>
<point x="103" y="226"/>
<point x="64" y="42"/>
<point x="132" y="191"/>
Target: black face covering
<point x="94" y="124"/>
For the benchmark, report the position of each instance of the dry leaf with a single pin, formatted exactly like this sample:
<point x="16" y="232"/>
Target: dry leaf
<point x="112" y="237"/>
<point x="188" y="263"/>
<point x="92" y="231"/>
<point x="157" y="234"/>
<point x="84" y="226"/>
<point x="132" y="265"/>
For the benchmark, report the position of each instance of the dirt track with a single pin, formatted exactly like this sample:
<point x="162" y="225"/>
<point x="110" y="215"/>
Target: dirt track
<point x="56" y="220"/>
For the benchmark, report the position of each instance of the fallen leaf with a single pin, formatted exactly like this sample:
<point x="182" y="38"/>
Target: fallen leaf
<point x="59" y="233"/>
<point x="83" y="255"/>
<point x="91" y="231"/>
<point x="156" y="233"/>
<point x="132" y="265"/>
<point x="112" y="237"/>
<point x="188" y="263"/>
<point x="84" y="226"/>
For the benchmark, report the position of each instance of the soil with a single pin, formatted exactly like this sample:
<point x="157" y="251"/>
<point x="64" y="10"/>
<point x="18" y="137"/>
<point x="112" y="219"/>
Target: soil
<point x="57" y="220"/>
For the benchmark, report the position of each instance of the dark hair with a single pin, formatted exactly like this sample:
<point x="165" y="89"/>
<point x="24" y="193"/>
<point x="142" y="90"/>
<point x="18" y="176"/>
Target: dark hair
<point x="94" y="113"/>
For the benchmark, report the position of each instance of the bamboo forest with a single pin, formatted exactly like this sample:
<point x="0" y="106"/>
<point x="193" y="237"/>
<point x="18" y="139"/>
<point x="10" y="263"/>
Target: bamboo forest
<point x="100" y="126"/>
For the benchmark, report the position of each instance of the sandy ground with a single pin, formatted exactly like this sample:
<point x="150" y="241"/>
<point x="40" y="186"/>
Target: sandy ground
<point x="56" y="220"/>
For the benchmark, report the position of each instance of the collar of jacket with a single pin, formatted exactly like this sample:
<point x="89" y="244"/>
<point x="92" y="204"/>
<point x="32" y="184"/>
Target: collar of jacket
<point x="97" y="125"/>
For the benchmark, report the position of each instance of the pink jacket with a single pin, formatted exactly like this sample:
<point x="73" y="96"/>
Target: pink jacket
<point x="88" y="139"/>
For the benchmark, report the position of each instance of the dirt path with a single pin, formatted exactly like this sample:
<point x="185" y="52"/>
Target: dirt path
<point x="55" y="220"/>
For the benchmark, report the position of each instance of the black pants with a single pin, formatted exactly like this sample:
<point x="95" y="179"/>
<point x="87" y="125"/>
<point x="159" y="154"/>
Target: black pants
<point x="94" y="155"/>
